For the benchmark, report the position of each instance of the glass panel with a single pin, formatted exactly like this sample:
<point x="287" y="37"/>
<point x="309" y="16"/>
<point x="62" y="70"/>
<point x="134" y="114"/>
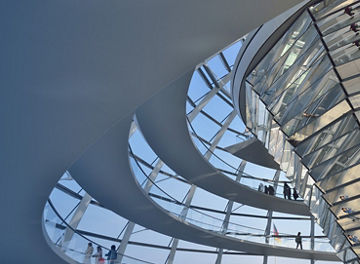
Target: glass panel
<point x="301" y="46"/>
<point x="328" y="134"/>
<point x="312" y="102"/>
<point x="355" y="100"/>
<point x="337" y="164"/>
<point x="346" y="54"/>
<point x="279" y="51"/>
<point x="340" y="38"/>
<point x="297" y="71"/>
<point x="326" y="7"/>
<point x="349" y="69"/>
<point x="343" y="193"/>
<point x="217" y="67"/>
<point x="333" y="148"/>
<point x="310" y="78"/>
<point x="343" y="177"/>
<point x="231" y="52"/>
<point x="317" y="115"/>
<point x="352" y="85"/>
<point x="348" y="209"/>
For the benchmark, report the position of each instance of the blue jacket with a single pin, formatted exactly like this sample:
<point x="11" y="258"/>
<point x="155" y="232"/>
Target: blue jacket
<point x="111" y="255"/>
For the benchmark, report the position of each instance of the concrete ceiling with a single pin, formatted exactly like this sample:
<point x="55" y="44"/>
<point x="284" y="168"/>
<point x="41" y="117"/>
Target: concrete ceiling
<point x="71" y="69"/>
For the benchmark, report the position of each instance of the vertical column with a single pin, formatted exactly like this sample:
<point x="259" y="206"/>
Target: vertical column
<point x="269" y="216"/>
<point x="191" y="193"/>
<point x="312" y="235"/>
<point x="183" y="214"/>
<point x="130" y="228"/>
<point x="228" y="212"/>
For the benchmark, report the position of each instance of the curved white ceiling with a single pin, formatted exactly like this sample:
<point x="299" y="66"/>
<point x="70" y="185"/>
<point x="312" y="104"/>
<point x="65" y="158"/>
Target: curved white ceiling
<point x="71" y="69"/>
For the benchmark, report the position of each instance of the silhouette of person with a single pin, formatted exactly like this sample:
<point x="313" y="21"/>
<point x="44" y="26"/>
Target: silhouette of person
<point x="271" y="190"/>
<point x="349" y="11"/>
<point x="298" y="241"/>
<point x="295" y="194"/>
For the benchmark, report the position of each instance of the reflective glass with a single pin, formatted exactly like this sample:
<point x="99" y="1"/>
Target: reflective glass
<point x="341" y="178"/>
<point x="310" y="80"/>
<point x="319" y="114"/>
<point x="326" y="7"/>
<point x="335" y="130"/>
<point x="280" y="50"/>
<point x="333" y="148"/>
<point x="352" y="85"/>
<point x="355" y="100"/>
<point x="337" y="163"/>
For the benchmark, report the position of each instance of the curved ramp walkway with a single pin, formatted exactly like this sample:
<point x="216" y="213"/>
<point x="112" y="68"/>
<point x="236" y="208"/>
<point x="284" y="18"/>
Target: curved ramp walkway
<point x="252" y="150"/>
<point x="105" y="173"/>
<point x="163" y="123"/>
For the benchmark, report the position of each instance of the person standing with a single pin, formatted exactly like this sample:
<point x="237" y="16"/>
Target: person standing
<point x="261" y="187"/>
<point x="298" y="241"/>
<point x="98" y="255"/>
<point x="286" y="191"/>
<point x="295" y="194"/>
<point x="271" y="190"/>
<point x="112" y="255"/>
<point x="88" y="252"/>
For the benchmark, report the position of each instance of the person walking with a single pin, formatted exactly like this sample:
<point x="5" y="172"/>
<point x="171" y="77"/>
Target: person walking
<point x="298" y="241"/>
<point x="88" y="252"/>
<point x="111" y="255"/>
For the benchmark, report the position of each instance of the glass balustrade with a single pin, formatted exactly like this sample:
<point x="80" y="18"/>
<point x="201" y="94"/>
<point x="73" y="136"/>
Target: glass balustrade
<point x="209" y="222"/>
<point x="76" y="243"/>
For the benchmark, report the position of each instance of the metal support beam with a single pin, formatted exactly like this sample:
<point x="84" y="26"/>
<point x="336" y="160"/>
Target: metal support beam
<point x="207" y="156"/>
<point x="221" y="82"/>
<point x="75" y="220"/>
<point x="183" y="214"/>
<point x="191" y="117"/>
<point x="130" y="228"/>
<point x="219" y="135"/>
<point x="229" y="208"/>
<point x="224" y="62"/>
<point x="152" y="177"/>
<point x="125" y="240"/>
<point x="201" y="105"/>
<point x="269" y="215"/>
<point x="312" y="235"/>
